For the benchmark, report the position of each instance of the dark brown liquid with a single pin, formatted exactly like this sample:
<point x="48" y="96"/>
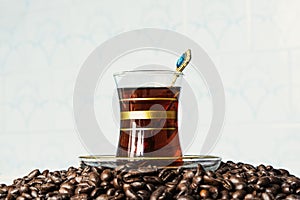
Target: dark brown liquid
<point x="155" y="137"/>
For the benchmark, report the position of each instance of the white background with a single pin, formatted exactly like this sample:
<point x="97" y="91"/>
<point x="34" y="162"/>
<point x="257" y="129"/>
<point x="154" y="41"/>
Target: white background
<point x="254" y="44"/>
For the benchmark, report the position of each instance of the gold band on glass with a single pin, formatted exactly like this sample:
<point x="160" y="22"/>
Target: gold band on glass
<point x="149" y="99"/>
<point x="148" y="129"/>
<point x="148" y="114"/>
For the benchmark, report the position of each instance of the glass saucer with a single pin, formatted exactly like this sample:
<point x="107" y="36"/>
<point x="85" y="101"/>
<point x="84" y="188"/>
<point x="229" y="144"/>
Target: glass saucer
<point x="187" y="161"/>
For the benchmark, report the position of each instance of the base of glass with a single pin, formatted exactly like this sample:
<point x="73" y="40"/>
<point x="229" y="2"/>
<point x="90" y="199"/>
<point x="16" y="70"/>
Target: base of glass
<point x="187" y="161"/>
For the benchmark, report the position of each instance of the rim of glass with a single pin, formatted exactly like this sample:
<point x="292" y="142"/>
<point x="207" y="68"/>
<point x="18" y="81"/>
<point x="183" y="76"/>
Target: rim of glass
<point x="148" y="71"/>
<point x="109" y="157"/>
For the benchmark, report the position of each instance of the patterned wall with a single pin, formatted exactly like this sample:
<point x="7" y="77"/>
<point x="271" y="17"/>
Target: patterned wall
<point x="254" y="44"/>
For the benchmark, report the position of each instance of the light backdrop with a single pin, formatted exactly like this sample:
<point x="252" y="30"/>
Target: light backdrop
<point x="254" y="44"/>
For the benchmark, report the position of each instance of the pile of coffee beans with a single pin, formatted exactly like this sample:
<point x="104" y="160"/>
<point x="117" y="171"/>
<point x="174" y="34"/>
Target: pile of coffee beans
<point x="230" y="181"/>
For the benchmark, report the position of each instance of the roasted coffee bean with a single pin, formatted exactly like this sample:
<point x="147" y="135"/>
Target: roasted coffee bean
<point x="163" y="172"/>
<point x="204" y="186"/>
<point x="293" y="197"/>
<point x="227" y="184"/>
<point x="83" y="189"/>
<point x="258" y="187"/>
<point x="210" y="180"/>
<point x="18" y="182"/>
<point x="94" y="177"/>
<point x="235" y="179"/>
<point x="34" y="193"/>
<point x="200" y="170"/>
<point x="226" y="176"/>
<point x="13" y="191"/>
<point x="274" y="188"/>
<point x="105" y="185"/>
<point x="91" y="183"/>
<point x="224" y="194"/>
<point x="33" y="174"/>
<point x="214" y="192"/>
<point x="261" y="167"/>
<point x="157" y="193"/>
<point x="48" y="187"/>
<point x="284" y="172"/>
<point x="126" y="186"/>
<point x="3" y="189"/>
<point x="240" y="186"/>
<point x="117" y="182"/>
<point x="106" y="175"/>
<point x="71" y="174"/>
<point x="132" y="176"/>
<point x="36" y="181"/>
<point x="280" y="196"/>
<point x="204" y="193"/>
<point x="169" y="177"/>
<point x="248" y="167"/>
<point x="182" y="187"/>
<point x="137" y="185"/>
<point x="111" y="191"/>
<point x="267" y="196"/>
<point x="79" y="179"/>
<point x="26" y="195"/>
<point x="249" y="197"/>
<point x="64" y="191"/>
<point x="286" y="189"/>
<point x="293" y="182"/>
<point x="239" y="194"/>
<point x="196" y="181"/>
<point x="121" y="170"/>
<point x="96" y="192"/>
<point x="150" y="187"/>
<point x="45" y="172"/>
<point x="24" y="188"/>
<point x="131" y="194"/>
<point x="67" y="186"/>
<point x="263" y="181"/>
<point x="56" y="179"/>
<point x="188" y="174"/>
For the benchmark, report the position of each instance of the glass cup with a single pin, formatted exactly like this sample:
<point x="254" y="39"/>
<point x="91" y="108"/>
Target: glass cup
<point x="148" y="113"/>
